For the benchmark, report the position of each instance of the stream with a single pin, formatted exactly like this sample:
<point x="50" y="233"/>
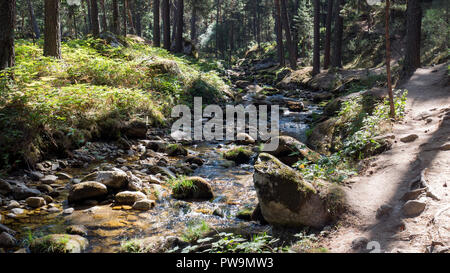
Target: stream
<point x="109" y="226"/>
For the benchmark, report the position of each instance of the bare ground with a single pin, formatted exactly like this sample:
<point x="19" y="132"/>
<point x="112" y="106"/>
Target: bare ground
<point x="391" y="174"/>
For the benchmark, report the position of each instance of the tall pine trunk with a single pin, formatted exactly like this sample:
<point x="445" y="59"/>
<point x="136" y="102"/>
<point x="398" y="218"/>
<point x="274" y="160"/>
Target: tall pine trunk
<point x="326" y="57"/>
<point x="194" y="24"/>
<point x="336" y="58"/>
<point x="94" y="19"/>
<point x="388" y="62"/>
<point x="316" y="48"/>
<point x="413" y="32"/>
<point x="7" y="21"/>
<point x="104" y="22"/>
<point x="279" y="32"/>
<point x="37" y="33"/>
<point x="180" y="24"/>
<point x="52" y="33"/>
<point x="156" y="29"/>
<point x="116" y="24"/>
<point x="166" y="23"/>
<point x="124" y="17"/>
<point x="287" y="33"/>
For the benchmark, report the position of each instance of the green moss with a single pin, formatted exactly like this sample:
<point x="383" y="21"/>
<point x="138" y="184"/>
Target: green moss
<point x="239" y="155"/>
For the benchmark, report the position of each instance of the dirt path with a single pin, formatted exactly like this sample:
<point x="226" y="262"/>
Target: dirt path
<point x="392" y="173"/>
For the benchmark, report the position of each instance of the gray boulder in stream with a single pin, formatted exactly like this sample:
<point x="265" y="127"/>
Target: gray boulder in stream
<point x="115" y="179"/>
<point x="290" y="150"/>
<point x="286" y="199"/>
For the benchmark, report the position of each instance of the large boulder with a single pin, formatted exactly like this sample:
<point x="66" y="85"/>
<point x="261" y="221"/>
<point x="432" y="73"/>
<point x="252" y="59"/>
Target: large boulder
<point x="21" y="192"/>
<point x="129" y="197"/>
<point x="290" y="150"/>
<point x="59" y="243"/>
<point x="5" y="187"/>
<point x="87" y="190"/>
<point x="115" y="179"/>
<point x="286" y="199"/>
<point x="192" y="188"/>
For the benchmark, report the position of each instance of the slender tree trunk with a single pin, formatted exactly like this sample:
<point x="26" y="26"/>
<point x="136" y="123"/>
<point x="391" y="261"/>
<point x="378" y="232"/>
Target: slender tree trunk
<point x="124" y="17"/>
<point x="104" y="22"/>
<point x="336" y="58"/>
<point x="52" y="33"/>
<point x="166" y="23"/>
<point x="295" y="35"/>
<point x="88" y="5"/>
<point x="388" y="62"/>
<point x="217" y="26"/>
<point x="194" y="25"/>
<point x="94" y="18"/>
<point x="36" y="31"/>
<point x="116" y="24"/>
<point x="129" y="4"/>
<point x="180" y="24"/>
<point x="326" y="59"/>
<point x="413" y="33"/>
<point x="7" y="21"/>
<point x="279" y="32"/>
<point x="287" y="33"/>
<point x="316" y="50"/>
<point x="156" y="29"/>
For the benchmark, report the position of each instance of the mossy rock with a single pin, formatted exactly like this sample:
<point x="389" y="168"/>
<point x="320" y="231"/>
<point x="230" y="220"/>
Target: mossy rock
<point x="59" y="243"/>
<point x="192" y="188"/>
<point x="290" y="150"/>
<point x="176" y="150"/>
<point x="286" y="199"/>
<point x="240" y="155"/>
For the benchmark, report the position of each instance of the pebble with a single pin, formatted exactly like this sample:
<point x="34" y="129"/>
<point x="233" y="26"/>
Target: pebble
<point x="13" y="204"/>
<point x="35" y="202"/>
<point x="68" y="211"/>
<point x="409" y="138"/>
<point x="17" y="211"/>
<point x="413" y="208"/>
<point x="49" y="179"/>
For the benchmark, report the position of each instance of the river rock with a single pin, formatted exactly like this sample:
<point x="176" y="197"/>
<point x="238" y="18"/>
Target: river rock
<point x="7" y="240"/>
<point x="194" y="160"/>
<point x="244" y="139"/>
<point x="21" y="192"/>
<point x="239" y="155"/>
<point x="413" y="208"/>
<point x="35" y="202"/>
<point x="5" y="187"/>
<point x="17" y="211"/>
<point x="135" y="129"/>
<point x="49" y="179"/>
<point x="286" y="199"/>
<point x="200" y="189"/>
<point x="144" y="205"/>
<point x="290" y="150"/>
<point x="45" y="188"/>
<point x="87" y="190"/>
<point x="77" y="230"/>
<point x="175" y="150"/>
<point x="134" y="182"/>
<point x="409" y="138"/>
<point x="129" y="197"/>
<point x="59" y="243"/>
<point x="13" y="204"/>
<point x="115" y="179"/>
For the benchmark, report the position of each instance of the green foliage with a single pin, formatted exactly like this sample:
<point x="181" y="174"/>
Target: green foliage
<point x="132" y="246"/>
<point x="232" y="243"/>
<point x="195" y="230"/>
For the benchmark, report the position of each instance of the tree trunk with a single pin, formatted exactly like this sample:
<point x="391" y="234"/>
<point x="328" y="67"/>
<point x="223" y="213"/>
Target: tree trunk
<point x="156" y="29"/>
<point x="7" y="21"/>
<point x="52" y="33"/>
<point x="388" y="62"/>
<point x="413" y="32"/>
<point x="180" y="23"/>
<point x="194" y="24"/>
<point x="279" y="32"/>
<point x="336" y="59"/>
<point x="326" y="59"/>
<point x="129" y="4"/>
<point x="166" y="23"/>
<point x="94" y="18"/>
<point x="104" y="22"/>
<point x="116" y="24"/>
<point x="316" y="50"/>
<point x="287" y="33"/>
<point x="124" y="18"/>
<point x="37" y="33"/>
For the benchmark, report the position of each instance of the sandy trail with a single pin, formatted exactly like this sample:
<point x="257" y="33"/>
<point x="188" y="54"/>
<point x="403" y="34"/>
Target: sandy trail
<point x="390" y="176"/>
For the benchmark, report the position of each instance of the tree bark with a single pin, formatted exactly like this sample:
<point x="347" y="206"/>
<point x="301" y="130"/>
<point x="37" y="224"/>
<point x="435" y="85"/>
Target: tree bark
<point x="336" y="58"/>
<point x="279" y="32"/>
<point x="129" y="4"/>
<point x="388" y="62"/>
<point x="94" y="18"/>
<point x="124" y="17"/>
<point x="156" y="29"/>
<point x="413" y="32"/>
<point x="194" y="24"/>
<point x="316" y="49"/>
<point x="326" y="59"/>
<point x="166" y="23"/>
<point x="7" y="21"/>
<point x="180" y="24"/>
<point x="287" y="33"/>
<point x="116" y="24"/>
<point x="52" y="33"/>
<point x="36" y="31"/>
<point x="104" y="22"/>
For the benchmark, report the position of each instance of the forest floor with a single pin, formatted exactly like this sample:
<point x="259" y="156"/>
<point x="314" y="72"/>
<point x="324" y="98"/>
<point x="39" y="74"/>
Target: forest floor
<point x="398" y="171"/>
